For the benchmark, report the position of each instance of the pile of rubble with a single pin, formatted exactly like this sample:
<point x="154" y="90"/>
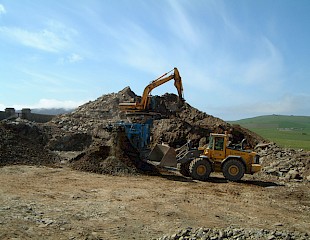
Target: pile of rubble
<point x="93" y="116"/>
<point x="23" y="142"/>
<point x="97" y="150"/>
<point x="178" y="121"/>
<point x="115" y="157"/>
<point x="286" y="164"/>
<point x="182" y="122"/>
<point x="234" y="233"/>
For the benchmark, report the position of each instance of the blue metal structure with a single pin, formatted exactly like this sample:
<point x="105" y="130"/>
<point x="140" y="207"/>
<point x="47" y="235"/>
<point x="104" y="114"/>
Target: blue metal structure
<point x="138" y="134"/>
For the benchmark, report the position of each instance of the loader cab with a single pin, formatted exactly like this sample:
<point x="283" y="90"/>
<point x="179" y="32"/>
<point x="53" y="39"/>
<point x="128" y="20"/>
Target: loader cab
<point x="217" y="141"/>
<point x="217" y="146"/>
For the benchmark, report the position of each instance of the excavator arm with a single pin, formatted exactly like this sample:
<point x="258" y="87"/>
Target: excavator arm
<point x="143" y="104"/>
<point x="161" y="80"/>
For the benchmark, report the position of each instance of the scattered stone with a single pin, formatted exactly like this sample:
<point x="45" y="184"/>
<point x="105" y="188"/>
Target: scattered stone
<point x="278" y="224"/>
<point x="290" y="165"/>
<point x="233" y="233"/>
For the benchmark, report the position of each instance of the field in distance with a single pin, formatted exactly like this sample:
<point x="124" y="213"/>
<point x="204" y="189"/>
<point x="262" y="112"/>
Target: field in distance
<point x="286" y="131"/>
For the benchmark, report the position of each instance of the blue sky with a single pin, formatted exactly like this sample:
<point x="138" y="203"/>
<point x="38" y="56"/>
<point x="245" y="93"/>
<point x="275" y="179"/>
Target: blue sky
<point x="237" y="58"/>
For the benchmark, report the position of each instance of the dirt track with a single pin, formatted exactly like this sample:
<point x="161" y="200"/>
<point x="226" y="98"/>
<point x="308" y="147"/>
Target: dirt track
<point x="60" y="203"/>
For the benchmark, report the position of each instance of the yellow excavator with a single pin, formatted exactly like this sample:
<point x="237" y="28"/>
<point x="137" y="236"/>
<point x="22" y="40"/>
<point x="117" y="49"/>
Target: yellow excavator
<point x="143" y="106"/>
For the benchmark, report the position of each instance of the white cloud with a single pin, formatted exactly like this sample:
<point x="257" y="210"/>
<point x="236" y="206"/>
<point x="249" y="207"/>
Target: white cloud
<point x="41" y="79"/>
<point x="52" y="103"/>
<point x="140" y="49"/>
<point x="73" y="58"/>
<point x="146" y="50"/>
<point x="54" y="38"/>
<point x="2" y="107"/>
<point x="285" y="105"/>
<point x="266" y="68"/>
<point x="181" y="24"/>
<point x="2" y="9"/>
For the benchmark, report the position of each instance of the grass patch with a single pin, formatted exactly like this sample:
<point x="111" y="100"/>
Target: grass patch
<point x="286" y="131"/>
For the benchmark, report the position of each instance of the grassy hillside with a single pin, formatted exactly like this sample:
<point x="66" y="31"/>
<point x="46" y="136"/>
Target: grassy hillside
<point x="286" y="131"/>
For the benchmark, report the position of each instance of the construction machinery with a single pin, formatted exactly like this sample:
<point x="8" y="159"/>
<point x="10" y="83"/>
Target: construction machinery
<point x="219" y="156"/>
<point x="232" y="160"/>
<point x="144" y="105"/>
<point x="140" y="115"/>
<point x="198" y="163"/>
<point x="138" y="134"/>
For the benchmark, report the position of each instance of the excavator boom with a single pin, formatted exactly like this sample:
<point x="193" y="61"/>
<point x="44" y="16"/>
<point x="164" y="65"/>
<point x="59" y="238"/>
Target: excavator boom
<point x="143" y="105"/>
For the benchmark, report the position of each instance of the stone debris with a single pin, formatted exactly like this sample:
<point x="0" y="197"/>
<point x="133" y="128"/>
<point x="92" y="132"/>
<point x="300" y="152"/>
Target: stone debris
<point x="83" y="134"/>
<point x="178" y="122"/>
<point x="233" y="233"/>
<point x="286" y="164"/>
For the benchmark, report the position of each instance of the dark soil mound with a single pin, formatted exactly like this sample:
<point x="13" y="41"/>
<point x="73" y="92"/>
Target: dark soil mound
<point x="70" y="142"/>
<point x="24" y="143"/>
<point x="118" y="158"/>
<point x="99" y="160"/>
<point x="181" y="122"/>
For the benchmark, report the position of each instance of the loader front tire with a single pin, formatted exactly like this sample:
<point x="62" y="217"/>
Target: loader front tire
<point x="233" y="170"/>
<point x="184" y="169"/>
<point x="200" y="169"/>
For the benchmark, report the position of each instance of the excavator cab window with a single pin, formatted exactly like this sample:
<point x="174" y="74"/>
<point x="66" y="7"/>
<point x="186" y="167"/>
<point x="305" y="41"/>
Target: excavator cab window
<point x="219" y="143"/>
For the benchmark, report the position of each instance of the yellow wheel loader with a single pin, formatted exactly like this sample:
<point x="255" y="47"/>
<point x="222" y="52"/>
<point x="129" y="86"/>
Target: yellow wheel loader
<point x="232" y="160"/>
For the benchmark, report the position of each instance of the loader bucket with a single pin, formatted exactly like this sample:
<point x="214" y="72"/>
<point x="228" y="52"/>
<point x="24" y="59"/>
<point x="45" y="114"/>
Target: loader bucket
<point x="163" y="155"/>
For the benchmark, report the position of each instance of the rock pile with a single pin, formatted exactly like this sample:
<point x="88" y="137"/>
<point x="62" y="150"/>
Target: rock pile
<point x="99" y="160"/>
<point x="178" y="122"/>
<point x="233" y="233"/>
<point x="84" y="130"/>
<point x="93" y="116"/>
<point x="182" y="122"/>
<point x="23" y="142"/>
<point x="286" y="164"/>
<point x="118" y="157"/>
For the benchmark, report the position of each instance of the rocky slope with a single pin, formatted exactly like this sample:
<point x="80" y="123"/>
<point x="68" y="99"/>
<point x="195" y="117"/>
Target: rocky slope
<point x="178" y="122"/>
<point x="83" y="132"/>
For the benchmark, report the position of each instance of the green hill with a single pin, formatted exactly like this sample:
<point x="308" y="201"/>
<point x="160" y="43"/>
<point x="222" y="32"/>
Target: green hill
<point x="286" y="131"/>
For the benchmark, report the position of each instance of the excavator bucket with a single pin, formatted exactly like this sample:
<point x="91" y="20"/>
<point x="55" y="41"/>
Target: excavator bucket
<point x="163" y="155"/>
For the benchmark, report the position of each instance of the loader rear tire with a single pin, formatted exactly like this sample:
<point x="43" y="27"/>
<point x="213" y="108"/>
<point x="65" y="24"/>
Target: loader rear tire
<point x="200" y="169"/>
<point x="233" y="170"/>
<point x="184" y="169"/>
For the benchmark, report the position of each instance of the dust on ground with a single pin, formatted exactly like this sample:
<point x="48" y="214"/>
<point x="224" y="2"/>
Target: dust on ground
<point x="62" y="194"/>
<point x="60" y="203"/>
